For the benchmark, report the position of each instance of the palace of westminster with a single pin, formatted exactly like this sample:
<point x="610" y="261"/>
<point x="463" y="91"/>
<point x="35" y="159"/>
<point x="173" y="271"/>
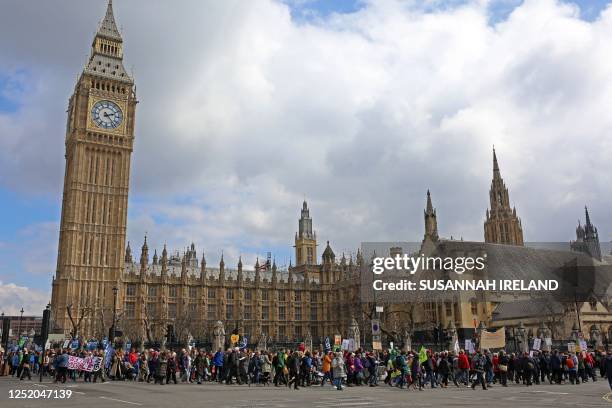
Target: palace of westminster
<point x="97" y="273"/>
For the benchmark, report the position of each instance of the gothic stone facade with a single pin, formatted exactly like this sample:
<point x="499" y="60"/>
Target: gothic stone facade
<point x="286" y="305"/>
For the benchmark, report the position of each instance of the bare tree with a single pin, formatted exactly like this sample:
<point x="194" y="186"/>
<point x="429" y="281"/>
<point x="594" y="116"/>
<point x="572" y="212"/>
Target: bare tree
<point x="77" y="320"/>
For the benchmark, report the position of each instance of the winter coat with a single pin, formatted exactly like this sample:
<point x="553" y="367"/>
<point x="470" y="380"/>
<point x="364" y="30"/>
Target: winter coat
<point x="338" y="366"/>
<point x="266" y="365"/>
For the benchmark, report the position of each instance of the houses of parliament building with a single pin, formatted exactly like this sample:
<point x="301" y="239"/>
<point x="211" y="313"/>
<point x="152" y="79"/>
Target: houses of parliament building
<point x="99" y="276"/>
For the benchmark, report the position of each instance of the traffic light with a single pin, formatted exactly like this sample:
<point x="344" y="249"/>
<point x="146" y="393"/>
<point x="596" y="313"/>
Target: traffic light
<point x="44" y="331"/>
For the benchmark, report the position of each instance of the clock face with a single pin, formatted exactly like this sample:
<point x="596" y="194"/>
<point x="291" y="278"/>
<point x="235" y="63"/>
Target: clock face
<point x="106" y="114"/>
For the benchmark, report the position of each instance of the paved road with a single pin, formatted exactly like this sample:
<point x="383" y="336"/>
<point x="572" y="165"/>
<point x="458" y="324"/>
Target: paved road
<point x="132" y="394"/>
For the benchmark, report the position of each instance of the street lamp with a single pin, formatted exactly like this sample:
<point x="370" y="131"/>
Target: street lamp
<point x="4" y="334"/>
<point x="115" y="290"/>
<point x="19" y="327"/>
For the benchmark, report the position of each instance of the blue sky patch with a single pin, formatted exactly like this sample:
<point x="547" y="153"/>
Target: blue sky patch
<point x="12" y="88"/>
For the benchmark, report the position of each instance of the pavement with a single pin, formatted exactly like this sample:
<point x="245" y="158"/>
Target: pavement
<point x="134" y="394"/>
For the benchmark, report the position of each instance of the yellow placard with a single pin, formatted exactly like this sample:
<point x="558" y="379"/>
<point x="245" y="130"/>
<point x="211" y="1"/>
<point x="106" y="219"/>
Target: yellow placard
<point x="234" y="338"/>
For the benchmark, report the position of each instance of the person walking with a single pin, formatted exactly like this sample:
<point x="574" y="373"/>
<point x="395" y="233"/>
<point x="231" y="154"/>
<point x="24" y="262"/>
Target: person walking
<point x="326" y="368"/>
<point x="25" y="367"/>
<point x="479" y="362"/>
<point x="339" y="370"/>
<point x="502" y="363"/>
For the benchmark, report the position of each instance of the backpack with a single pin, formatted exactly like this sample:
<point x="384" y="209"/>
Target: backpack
<point x="569" y="362"/>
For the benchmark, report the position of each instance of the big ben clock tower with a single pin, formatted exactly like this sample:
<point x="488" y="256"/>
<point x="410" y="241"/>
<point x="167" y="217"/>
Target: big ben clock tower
<point x="99" y="140"/>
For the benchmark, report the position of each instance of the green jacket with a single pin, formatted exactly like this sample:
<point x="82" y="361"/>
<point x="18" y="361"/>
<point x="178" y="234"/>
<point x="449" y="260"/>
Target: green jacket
<point x="281" y="360"/>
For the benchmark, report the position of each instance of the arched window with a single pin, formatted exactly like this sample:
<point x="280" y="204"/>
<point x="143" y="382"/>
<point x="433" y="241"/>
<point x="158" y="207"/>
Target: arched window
<point x="474" y="306"/>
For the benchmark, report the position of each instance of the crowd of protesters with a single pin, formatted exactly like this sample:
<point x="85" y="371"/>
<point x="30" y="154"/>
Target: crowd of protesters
<point x="303" y="368"/>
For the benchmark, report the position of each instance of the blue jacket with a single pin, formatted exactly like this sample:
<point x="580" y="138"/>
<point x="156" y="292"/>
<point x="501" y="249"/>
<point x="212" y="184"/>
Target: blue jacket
<point x="218" y="359"/>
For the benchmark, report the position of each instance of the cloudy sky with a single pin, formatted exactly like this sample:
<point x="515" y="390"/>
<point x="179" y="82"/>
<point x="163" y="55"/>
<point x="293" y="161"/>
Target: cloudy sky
<point x="247" y="108"/>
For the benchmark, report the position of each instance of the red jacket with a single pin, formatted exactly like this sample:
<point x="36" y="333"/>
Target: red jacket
<point x="463" y="362"/>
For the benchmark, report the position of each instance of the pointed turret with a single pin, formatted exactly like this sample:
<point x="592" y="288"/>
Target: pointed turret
<point x="502" y="225"/>
<point x="108" y="26"/>
<point x="587" y="238"/>
<point x="328" y="255"/>
<point x="128" y="253"/>
<point x="495" y="164"/>
<point x="144" y="253"/>
<point x="203" y="269"/>
<point x="240" y="275"/>
<point x="164" y="262"/>
<point x="579" y="232"/>
<point x="155" y="258"/>
<point x="106" y="59"/>
<point x="257" y="273"/>
<point x="305" y="239"/>
<point x="184" y="267"/>
<point x="431" y="221"/>
<point x="221" y="268"/>
<point x="587" y="226"/>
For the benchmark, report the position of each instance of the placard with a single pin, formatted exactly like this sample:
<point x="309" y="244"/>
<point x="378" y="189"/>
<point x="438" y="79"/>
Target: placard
<point x="492" y="340"/>
<point x="537" y="342"/>
<point x="469" y="346"/>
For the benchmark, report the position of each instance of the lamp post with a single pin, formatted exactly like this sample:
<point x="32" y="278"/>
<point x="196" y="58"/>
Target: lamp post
<point x="19" y="327"/>
<point x="4" y="334"/>
<point x="115" y="290"/>
<point x="44" y="335"/>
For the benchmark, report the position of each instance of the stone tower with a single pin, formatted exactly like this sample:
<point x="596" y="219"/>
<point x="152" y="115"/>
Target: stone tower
<point x="587" y="238"/>
<point x="502" y="226"/>
<point x="99" y="140"/>
<point x="431" y="221"/>
<point x="305" y="240"/>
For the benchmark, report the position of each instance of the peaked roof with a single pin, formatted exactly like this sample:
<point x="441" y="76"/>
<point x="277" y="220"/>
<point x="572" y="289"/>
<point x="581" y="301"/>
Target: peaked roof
<point x="108" y="27"/>
<point x="429" y="209"/>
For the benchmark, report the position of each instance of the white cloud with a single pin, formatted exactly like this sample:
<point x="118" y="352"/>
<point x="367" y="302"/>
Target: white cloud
<point x="14" y="297"/>
<point x="244" y="111"/>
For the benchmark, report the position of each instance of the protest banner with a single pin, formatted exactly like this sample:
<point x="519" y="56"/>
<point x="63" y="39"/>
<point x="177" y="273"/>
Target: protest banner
<point x="492" y="340"/>
<point x="84" y="364"/>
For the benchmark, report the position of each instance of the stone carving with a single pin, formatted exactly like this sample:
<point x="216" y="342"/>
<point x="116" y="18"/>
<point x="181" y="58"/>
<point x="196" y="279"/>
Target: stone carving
<point x="596" y="337"/>
<point x="353" y="333"/>
<point x="308" y="341"/>
<point x="452" y="334"/>
<point x="407" y="339"/>
<point x="523" y="341"/>
<point x="218" y="336"/>
<point x="262" y="342"/>
<point x="544" y="333"/>
<point x="575" y="336"/>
